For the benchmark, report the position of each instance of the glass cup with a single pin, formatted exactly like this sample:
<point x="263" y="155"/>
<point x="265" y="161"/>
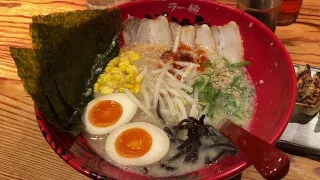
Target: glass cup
<point x="102" y="4"/>
<point x="266" y="11"/>
<point x="289" y="12"/>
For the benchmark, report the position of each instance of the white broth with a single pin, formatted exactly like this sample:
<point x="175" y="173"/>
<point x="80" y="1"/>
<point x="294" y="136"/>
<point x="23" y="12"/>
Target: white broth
<point x="235" y="96"/>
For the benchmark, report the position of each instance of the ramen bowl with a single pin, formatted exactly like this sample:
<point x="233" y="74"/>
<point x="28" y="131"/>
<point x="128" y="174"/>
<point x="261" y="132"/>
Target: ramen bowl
<point x="271" y="71"/>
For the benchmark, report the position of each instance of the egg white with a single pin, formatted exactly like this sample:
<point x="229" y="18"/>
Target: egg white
<point x="129" y="109"/>
<point x="159" y="148"/>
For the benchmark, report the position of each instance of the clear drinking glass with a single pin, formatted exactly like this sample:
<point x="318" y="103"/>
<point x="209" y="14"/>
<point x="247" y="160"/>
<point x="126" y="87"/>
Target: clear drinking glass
<point x="266" y="11"/>
<point x="102" y="4"/>
<point x="289" y="12"/>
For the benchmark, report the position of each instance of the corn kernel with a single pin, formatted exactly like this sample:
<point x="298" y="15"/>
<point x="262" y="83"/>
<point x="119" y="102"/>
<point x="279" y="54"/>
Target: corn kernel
<point x="108" y="78"/>
<point x="101" y="78"/>
<point x="134" y="68"/>
<point x="102" y="75"/>
<point x="124" y="62"/>
<point x="117" y="77"/>
<point x="129" y="86"/>
<point x="123" y="67"/>
<point x="131" y="90"/>
<point x="96" y="87"/>
<point x="130" y="71"/>
<point x="121" y="89"/>
<point x="113" y="62"/>
<point x="120" y="74"/>
<point x="137" y="89"/>
<point x="122" y="80"/>
<point x="115" y="71"/>
<point x="106" y="90"/>
<point x="108" y="69"/>
<point x="114" y="82"/>
<point x="111" y="85"/>
<point x="133" y="56"/>
<point x="130" y="78"/>
<point x="139" y="79"/>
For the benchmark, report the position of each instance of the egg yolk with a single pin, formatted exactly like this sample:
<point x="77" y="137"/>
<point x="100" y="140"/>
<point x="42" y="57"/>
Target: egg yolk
<point x="105" y="113"/>
<point x="133" y="143"/>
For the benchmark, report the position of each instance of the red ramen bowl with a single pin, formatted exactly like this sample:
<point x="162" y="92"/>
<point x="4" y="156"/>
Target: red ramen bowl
<point x="271" y="71"/>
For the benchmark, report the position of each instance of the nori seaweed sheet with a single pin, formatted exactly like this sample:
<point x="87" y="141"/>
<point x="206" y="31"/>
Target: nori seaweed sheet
<point x="74" y="45"/>
<point x="70" y="51"/>
<point x="62" y="108"/>
<point x="29" y="72"/>
<point x="97" y="68"/>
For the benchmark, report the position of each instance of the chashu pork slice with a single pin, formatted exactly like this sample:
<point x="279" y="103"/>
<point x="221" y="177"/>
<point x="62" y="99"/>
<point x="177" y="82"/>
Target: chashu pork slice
<point x="161" y="31"/>
<point x="147" y="31"/>
<point x="144" y="32"/>
<point x="204" y="39"/>
<point x="130" y="30"/>
<point x="229" y="42"/>
<point x="188" y="37"/>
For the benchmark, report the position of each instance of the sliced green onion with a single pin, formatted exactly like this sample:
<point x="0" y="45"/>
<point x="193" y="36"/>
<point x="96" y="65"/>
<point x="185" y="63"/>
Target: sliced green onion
<point x="200" y="83"/>
<point x="240" y="64"/>
<point x="226" y="62"/>
<point x="211" y="110"/>
<point x="206" y="80"/>
<point x="235" y="81"/>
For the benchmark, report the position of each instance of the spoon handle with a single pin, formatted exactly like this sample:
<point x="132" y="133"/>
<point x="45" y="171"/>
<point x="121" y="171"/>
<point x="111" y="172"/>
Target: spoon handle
<point x="269" y="161"/>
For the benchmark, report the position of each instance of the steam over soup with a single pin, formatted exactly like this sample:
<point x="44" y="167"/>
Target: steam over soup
<point x="156" y="103"/>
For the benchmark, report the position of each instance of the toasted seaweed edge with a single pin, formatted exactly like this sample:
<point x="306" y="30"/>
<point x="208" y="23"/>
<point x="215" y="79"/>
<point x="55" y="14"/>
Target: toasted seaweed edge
<point x="31" y="73"/>
<point x="63" y="18"/>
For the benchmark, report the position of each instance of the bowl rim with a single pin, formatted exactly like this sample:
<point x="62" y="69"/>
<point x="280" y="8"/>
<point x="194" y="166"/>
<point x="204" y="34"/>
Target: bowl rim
<point x="244" y="163"/>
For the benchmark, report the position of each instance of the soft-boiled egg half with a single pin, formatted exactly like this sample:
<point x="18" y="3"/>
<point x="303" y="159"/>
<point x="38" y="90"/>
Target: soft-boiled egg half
<point x="137" y="144"/>
<point x="106" y="113"/>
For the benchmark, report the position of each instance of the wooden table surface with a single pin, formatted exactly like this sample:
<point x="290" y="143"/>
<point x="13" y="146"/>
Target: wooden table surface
<point x="24" y="153"/>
